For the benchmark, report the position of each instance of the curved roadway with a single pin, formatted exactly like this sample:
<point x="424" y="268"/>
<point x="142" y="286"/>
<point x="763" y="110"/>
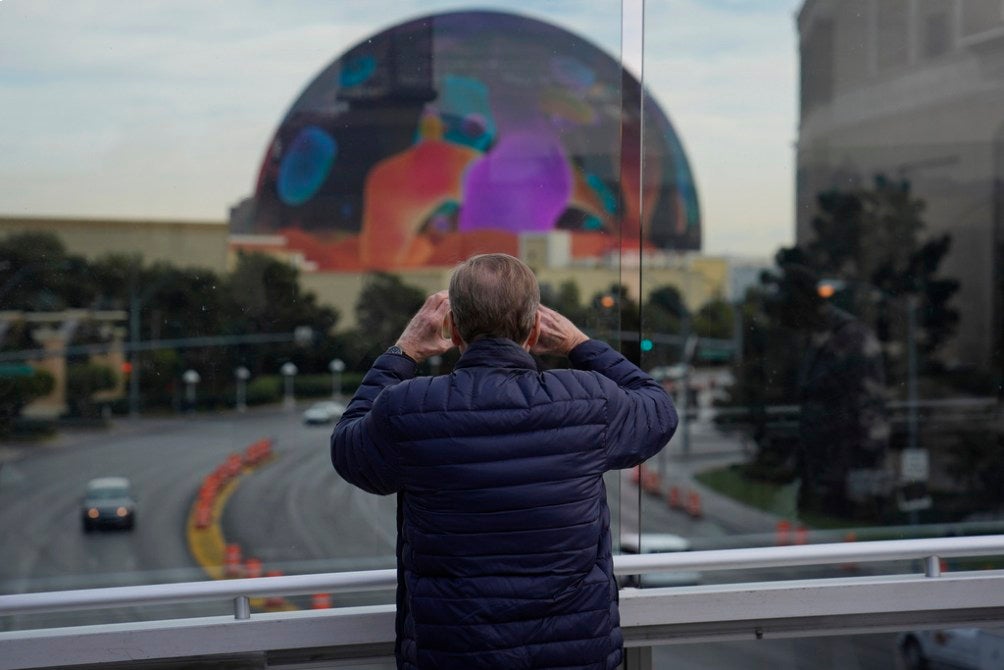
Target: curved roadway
<point x="293" y="513"/>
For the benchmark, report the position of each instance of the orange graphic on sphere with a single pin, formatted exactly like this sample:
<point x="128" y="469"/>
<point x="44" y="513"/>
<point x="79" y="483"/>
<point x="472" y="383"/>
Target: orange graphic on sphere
<point x="401" y="193"/>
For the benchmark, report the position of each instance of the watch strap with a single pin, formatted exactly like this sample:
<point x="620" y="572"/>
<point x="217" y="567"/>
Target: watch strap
<point x="398" y="351"/>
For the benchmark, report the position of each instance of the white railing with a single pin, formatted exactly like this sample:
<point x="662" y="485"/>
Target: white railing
<point x="649" y="616"/>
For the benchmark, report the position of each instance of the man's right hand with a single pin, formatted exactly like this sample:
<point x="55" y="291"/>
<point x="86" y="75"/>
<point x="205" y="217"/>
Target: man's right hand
<point x="558" y="335"/>
<point x="423" y="337"/>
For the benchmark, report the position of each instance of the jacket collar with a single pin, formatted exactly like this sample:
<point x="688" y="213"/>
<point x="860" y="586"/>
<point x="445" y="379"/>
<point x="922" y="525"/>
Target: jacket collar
<point x="496" y="353"/>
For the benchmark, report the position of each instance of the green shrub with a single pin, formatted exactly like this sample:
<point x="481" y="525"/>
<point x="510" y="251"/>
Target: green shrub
<point x="264" y="390"/>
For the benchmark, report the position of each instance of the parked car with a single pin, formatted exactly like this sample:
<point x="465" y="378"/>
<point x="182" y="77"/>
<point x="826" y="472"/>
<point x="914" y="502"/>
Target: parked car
<point x="658" y="543"/>
<point x="961" y="648"/>
<point x="108" y="503"/>
<point x="323" y="412"/>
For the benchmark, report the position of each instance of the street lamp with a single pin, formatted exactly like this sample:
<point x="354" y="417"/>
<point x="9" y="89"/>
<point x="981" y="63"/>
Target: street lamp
<point x="289" y="371"/>
<point x="191" y="379"/>
<point x="337" y="366"/>
<point x="242" y="374"/>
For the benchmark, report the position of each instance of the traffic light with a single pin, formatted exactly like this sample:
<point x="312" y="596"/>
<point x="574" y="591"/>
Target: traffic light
<point x="646" y="344"/>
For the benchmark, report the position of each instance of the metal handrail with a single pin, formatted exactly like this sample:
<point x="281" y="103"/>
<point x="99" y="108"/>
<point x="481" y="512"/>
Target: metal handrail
<point x="187" y="592"/>
<point x="812" y="554"/>
<point x="927" y="550"/>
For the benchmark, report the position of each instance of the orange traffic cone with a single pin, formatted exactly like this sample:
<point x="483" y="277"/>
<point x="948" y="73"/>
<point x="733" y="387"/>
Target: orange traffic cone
<point x="273" y="602"/>
<point x="673" y="498"/>
<point x="782" y="533"/>
<point x="694" y="505"/>
<point x="232" y="566"/>
<point x="252" y="568"/>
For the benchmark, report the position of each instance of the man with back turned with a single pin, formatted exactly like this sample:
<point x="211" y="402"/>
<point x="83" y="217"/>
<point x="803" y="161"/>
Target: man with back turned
<point x="503" y="550"/>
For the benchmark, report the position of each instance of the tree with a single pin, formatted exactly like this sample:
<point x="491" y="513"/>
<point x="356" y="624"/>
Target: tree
<point x="37" y="274"/>
<point x="872" y="238"/>
<point x="83" y="380"/>
<point x="870" y="242"/>
<point x="611" y="313"/>
<point x="665" y="312"/>
<point x="17" y="390"/>
<point x="265" y="296"/>
<point x="566" y="299"/>
<point x="383" y="309"/>
<point x="977" y="460"/>
<point x="715" y="320"/>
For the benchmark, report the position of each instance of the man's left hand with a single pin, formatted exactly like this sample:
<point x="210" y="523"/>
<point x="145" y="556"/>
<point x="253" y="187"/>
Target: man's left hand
<point x="423" y="337"/>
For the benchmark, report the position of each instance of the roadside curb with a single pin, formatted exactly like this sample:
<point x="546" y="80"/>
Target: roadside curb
<point x="206" y="542"/>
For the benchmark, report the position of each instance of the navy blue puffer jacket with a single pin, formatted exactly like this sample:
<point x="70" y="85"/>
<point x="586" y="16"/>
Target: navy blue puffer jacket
<point x="504" y="554"/>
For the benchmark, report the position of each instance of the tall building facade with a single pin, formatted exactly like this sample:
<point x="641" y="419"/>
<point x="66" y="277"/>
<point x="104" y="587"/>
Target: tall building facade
<point x="914" y="90"/>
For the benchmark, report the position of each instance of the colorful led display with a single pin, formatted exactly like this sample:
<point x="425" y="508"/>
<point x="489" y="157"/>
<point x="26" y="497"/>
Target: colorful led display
<point x="457" y="132"/>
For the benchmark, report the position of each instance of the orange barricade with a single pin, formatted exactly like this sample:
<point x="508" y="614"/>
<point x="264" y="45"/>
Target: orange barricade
<point x="651" y="482"/>
<point x="694" y="505"/>
<point x="257" y="452"/>
<point x="320" y="601"/>
<point x="783" y="532"/>
<point x="232" y="566"/>
<point x="252" y="455"/>
<point x="673" y="498"/>
<point x="252" y="568"/>
<point x="233" y="465"/>
<point x="273" y="602"/>
<point x="210" y="487"/>
<point x="203" y="514"/>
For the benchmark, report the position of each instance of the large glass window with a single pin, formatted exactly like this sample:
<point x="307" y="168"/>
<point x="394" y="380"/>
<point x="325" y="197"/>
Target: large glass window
<point x="213" y="220"/>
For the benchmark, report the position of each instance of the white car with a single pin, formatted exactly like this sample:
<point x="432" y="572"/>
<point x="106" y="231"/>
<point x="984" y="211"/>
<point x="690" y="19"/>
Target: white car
<point x="658" y="543"/>
<point x="964" y="648"/>
<point x="323" y="412"/>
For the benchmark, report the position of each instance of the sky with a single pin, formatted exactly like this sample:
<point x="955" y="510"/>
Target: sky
<point x="162" y="109"/>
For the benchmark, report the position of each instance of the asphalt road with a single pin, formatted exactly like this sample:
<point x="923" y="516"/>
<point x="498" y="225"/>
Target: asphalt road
<point x="294" y="513"/>
<point x="44" y="547"/>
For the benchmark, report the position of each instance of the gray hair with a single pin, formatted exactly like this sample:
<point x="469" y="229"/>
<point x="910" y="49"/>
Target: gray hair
<point x="494" y="295"/>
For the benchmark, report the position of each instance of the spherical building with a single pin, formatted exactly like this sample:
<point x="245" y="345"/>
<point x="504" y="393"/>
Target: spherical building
<point x="457" y="133"/>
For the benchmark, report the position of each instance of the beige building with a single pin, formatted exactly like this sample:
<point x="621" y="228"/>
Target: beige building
<point x="52" y="333"/>
<point x="699" y="278"/>
<point x="184" y="243"/>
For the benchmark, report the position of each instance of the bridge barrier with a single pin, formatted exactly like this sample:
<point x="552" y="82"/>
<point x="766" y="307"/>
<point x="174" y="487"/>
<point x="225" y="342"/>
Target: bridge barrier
<point x="649" y="617"/>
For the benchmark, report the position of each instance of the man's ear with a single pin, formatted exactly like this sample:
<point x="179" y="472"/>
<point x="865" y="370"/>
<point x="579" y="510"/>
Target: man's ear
<point x="450" y="330"/>
<point x="534" y="332"/>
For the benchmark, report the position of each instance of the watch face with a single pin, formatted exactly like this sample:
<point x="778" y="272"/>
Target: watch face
<point x="395" y="350"/>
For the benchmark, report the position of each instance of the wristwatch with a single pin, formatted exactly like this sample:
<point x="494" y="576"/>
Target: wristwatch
<point x="398" y="351"/>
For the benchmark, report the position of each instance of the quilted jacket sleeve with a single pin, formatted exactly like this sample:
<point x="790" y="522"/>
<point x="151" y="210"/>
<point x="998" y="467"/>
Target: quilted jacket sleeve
<point x="362" y="449"/>
<point x="640" y="414"/>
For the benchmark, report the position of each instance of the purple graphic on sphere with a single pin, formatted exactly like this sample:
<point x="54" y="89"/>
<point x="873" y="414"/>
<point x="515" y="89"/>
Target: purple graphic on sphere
<point x="523" y="183"/>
